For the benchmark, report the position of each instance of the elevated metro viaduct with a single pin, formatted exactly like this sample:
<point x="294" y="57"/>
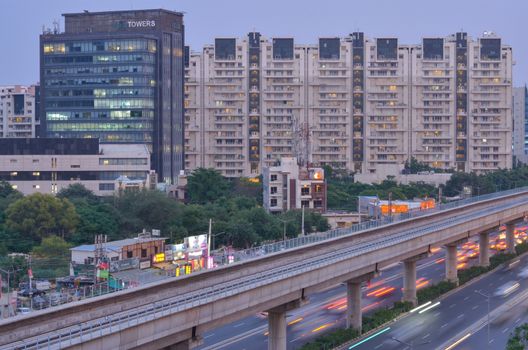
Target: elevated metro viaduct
<point x="172" y="314"/>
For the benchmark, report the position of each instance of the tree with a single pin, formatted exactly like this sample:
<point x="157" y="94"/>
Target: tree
<point x="95" y="217"/>
<point x="146" y="209"/>
<point x="76" y="190"/>
<point x="52" y="247"/>
<point x="51" y="258"/>
<point x="40" y="215"/>
<point x="206" y="185"/>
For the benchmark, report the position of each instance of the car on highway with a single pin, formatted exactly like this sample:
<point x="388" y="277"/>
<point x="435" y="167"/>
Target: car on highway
<point x="507" y="288"/>
<point x="524" y="272"/>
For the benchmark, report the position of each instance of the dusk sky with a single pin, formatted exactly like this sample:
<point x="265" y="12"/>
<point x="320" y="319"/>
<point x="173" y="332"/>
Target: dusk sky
<point x="21" y="23"/>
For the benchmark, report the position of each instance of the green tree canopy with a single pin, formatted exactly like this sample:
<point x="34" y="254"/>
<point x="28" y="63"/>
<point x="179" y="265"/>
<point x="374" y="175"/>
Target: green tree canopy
<point x="76" y="190"/>
<point x="206" y="185"/>
<point x="40" y="215"/>
<point x="51" y="258"/>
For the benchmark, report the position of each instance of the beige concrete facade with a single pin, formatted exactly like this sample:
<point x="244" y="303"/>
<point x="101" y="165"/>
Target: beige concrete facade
<point x="519" y="124"/>
<point x="355" y="103"/>
<point x="97" y="172"/>
<point x="17" y="111"/>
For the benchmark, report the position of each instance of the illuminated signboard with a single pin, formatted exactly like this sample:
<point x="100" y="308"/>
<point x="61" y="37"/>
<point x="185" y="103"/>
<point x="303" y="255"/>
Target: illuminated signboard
<point x="196" y="242"/>
<point x="159" y="258"/>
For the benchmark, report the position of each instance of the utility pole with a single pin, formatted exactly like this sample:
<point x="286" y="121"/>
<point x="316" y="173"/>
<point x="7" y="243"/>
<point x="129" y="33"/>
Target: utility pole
<point x="302" y="222"/>
<point x="439" y="194"/>
<point x="209" y="233"/>
<point x="390" y="206"/>
<point x="30" y="275"/>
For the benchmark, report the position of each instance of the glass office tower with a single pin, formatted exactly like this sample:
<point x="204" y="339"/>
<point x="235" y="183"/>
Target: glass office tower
<point x="117" y="76"/>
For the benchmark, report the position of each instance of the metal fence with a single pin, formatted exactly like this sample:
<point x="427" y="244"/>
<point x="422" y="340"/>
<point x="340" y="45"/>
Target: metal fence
<point x="102" y="326"/>
<point x="297" y="242"/>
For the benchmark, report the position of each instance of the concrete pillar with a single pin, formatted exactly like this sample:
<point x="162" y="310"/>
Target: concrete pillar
<point x="510" y="238"/>
<point x="409" y="281"/>
<point x="484" y="249"/>
<point x="277" y="330"/>
<point x="451" y="263"/>
<point x="353" y="311"/>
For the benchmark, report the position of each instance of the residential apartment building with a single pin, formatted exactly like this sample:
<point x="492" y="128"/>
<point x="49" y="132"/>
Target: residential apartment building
<point x="366" y="105"/>
<point x="288" y="186"/>
<point x="18" y="111"/>
<point x="520" y="124"/>
<point x="117" y="76"/>
<point x="49" y="165"/>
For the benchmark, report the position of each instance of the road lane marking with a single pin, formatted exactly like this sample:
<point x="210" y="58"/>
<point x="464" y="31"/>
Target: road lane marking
<point x="474" y="307"/>
<point x="505" y="330"/>
<point x="466" y="298"/>
<point x="460" y="316"/>
<point x="238" y="325"/>
<point x="208" y="336"/>
<point x="425" y="336"/>
<point x="378" y="346"/>
<point x="517" y="321"/>
<point x="445" y="325"/>
<point x="452" y="306"/>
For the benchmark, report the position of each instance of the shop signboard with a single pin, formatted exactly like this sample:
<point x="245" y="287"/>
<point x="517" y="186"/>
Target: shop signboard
<point x="196" y="242"/>
<point x="145" y="264"/>
<point x="160" y="257"/>
<point x="169" y="256"/>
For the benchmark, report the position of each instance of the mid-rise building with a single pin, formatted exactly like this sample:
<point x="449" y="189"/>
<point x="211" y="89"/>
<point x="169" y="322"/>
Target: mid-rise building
<point x="117" y="76"/>
<point x="520" y="124"/>
<point x="288" y="186"/>
<point x="366" y="105"/>
<point x="49" y="165"/>
<point x="18" y="111"/>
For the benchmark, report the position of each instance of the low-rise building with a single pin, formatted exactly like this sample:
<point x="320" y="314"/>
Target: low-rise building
<point x="143" y="248"/>
<point x="289" y="186"/>
<point x="48" y="165"/>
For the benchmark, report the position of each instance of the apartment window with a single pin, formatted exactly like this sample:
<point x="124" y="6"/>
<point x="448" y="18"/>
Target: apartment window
<point x="305" y="191"/>
<point x="318" y="188"/>
<point x="273" y="177"/>
<point x="129" y="255"/>
<point x="273" y="202"/>
<point x="36" y="186"/>
<point x="305" y="204"/>
<point x="273" y="190"/>
<point x="318" y="204"/>
<point x="143" y="253"/>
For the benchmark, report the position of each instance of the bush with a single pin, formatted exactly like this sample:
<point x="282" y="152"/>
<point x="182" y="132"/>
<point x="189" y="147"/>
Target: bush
<point x="519" y="339"/>
<point x="434" y="291"/>
<point x="341" y="335"/>
<point x="521" y="248"/>
<point x="474" y="271"/>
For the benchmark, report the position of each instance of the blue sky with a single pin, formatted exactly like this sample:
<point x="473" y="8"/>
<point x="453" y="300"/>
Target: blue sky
<point x="21" y="23"/>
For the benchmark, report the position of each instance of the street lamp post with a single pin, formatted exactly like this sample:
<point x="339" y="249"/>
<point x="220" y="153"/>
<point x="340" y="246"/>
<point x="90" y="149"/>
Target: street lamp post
<point x="284" y="228"/>
<point x="487" y="296"/>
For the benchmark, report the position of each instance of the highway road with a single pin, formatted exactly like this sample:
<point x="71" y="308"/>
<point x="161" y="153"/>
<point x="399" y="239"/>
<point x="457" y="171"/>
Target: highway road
<point x="456" y="313"/>
<point x="326" y="309"/>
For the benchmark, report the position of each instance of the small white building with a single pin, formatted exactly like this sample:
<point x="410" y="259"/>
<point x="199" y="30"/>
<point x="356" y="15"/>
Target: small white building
<point x="290" y="186"/>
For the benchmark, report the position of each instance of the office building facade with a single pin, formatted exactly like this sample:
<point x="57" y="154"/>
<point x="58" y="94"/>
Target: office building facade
<point x="18" y="111"/>
<point x="361" y="104"/>
<point x="49" y="165"/>
<point x="520" y="124"/>
<point x="117" y="76"/>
